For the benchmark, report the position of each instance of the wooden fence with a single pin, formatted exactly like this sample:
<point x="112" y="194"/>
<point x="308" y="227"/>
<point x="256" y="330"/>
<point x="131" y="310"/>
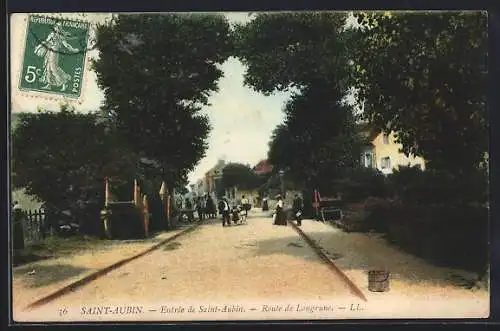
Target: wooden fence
<point x="34" y="225"/>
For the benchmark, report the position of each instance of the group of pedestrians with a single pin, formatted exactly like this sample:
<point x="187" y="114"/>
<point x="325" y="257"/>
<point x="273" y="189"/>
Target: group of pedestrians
<point x="203" y="205"/>
<point x="233" y="213"/>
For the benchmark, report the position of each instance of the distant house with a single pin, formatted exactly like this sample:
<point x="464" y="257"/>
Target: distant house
<point x="263" y="167"/>
<point x="199" y="187"/>
<point x="213" y="178"/>
<point x="383" y="153"/>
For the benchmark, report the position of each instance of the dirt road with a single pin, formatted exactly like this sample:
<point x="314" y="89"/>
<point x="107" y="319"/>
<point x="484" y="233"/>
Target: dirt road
<point x="250" y="262"/>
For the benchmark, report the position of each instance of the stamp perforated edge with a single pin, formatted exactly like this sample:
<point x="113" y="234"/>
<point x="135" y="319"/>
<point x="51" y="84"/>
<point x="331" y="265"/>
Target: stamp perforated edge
<point x="52" y="97"/>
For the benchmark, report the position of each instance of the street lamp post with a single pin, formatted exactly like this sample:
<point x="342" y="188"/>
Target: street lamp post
<point x="282" y="182"/>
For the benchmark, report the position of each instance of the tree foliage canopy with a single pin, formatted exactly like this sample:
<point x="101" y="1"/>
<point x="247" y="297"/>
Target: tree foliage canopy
<point x="241" y="176"/>
<point x="307" y="52"/>
<point x="292" y="50"/>
<point x="424" y="77"/>
<point x="156" y="71"/>
<point x="318" y="139"/>
<point x="62" y="157"/>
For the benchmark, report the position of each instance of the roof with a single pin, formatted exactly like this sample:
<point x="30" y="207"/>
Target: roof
<point x="263" y="167"/>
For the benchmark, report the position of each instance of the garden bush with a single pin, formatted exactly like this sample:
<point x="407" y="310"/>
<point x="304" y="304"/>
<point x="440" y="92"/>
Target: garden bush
<point x="445" y="234"/>
<point x="369" y="215"/>
<point x="411" y="185"/>
<point x="358" y="184"/>
<point x="435" y="215"/>
<point x="354" y="218"/>
<point x="88" y="217"/>
<point x="377" y="213"/>
<point x="453" y="236"/>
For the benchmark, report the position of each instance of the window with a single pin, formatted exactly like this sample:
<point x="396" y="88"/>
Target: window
<point x="386" y="138"/>
<point x="368" y="160"/>
<point x="386" y="163"/>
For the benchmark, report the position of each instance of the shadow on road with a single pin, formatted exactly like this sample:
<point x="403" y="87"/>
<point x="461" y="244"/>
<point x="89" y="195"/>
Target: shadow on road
<point x="172" y="246"/>
<point x="43" y="275"/>
<point x="290" y="245"/>
<point x="25" y="258"/>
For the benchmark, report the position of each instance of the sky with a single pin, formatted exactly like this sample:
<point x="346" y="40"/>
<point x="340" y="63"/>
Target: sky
<point x="242" y="120"/>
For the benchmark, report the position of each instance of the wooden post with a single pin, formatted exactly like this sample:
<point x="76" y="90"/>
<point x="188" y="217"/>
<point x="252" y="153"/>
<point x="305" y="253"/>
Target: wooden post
<point x="105" y="213"/>
<point x="171" y="202"/>
<point x="137" y="194"/>
<point x="38" y="221"/>
<point x="169" y="220"/>
<point x="165" y="197"/>
<point x="316" y="202"/>
<point x="145" y="210"/>
<point x="106" y="192"/>
<point x="30" y="220"/>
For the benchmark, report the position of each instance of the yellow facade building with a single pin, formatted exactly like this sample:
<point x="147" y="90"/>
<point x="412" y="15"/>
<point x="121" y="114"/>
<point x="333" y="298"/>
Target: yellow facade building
<point x="251" y="195"/>
<point x="385" y="155"/>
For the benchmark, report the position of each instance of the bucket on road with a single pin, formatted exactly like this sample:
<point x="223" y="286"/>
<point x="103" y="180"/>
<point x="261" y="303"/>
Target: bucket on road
<point x="378" y="280"/>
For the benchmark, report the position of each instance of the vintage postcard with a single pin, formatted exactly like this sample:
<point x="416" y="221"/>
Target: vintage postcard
<point x="249" y="166"/>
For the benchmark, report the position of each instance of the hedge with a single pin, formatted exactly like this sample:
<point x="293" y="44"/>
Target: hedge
<point x="453" y="236"/>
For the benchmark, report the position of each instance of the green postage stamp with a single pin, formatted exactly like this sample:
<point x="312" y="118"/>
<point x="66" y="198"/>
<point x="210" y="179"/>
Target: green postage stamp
<point x="54" y="56"/>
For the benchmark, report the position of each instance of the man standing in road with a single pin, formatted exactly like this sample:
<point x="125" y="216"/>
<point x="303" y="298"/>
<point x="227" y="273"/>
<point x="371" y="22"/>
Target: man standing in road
<point x="224" y="211"/>
<point x="245" y="204"/>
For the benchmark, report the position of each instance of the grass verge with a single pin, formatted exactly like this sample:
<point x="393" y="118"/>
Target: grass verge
<point x="55" y="247"/>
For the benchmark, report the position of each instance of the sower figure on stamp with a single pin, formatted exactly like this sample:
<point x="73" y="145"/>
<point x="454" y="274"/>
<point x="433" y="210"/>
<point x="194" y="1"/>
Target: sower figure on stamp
<point x="56" y="42"/>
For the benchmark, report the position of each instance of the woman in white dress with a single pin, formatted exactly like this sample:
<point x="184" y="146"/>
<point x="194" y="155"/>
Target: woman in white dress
<point x="280" y="217"/>
<point x="56" y="42"/>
